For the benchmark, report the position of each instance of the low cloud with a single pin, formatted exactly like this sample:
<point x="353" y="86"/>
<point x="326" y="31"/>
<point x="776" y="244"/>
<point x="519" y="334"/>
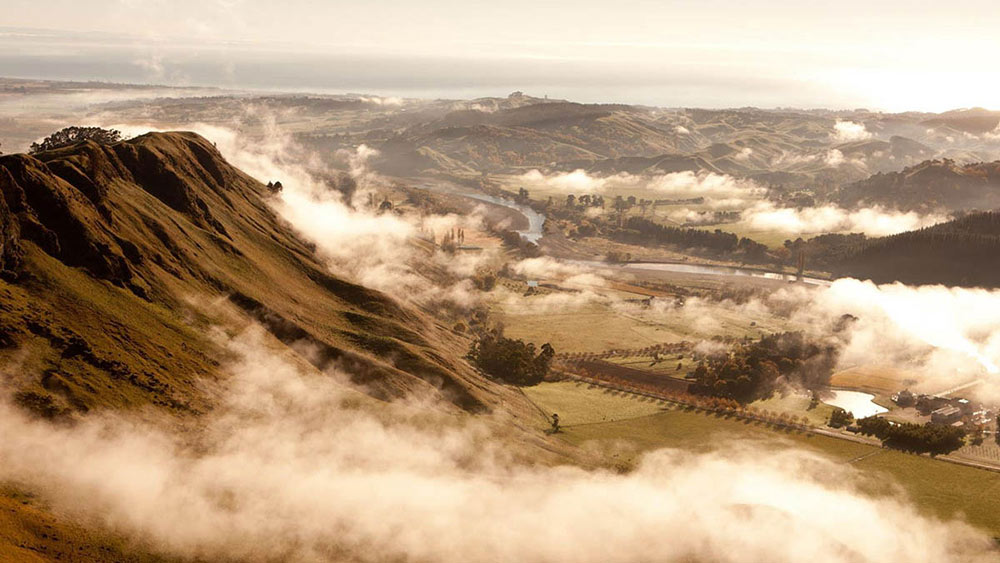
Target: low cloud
<point x="873" y="221"/>
<point x="293" y="466"/>
<point x="712" y="184"/>
<point x="549" y="302"/>
<point x="744" y="154"/>
<point x="544" y="267"/>
<point x="792" y="159"/>
<point x="575" y="182"/>
<point x="354" y="240"/>
<point x="993" y="135"/>
<point x="676" y="184"/>
<point x="954" y="327"/>
<point x="849" y="131"/>
<point x="943" y="336"/>
<point x="834" y="158"/>
<point x="382" y="101"/>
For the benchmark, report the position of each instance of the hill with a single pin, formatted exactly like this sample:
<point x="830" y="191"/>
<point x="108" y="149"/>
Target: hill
<point x="932" y="185"/>
<point x="530" y="135"/>
<point x="962" y="252"/>
<point x="975" y="121"/>
<point x="105" y="250"/>
<point x="119" y="262"/>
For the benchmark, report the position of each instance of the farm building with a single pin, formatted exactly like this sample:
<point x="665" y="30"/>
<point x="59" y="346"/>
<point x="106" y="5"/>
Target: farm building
<point x="946" y="415"/>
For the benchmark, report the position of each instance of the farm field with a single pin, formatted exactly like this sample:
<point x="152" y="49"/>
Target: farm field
<point x="876" y="379"/>
<point x="597" y="326"/>
<point x="576" y="407"/>
<point x="797" y="404"/>
<point x="770" y="237"/>
<point x="667" y="366"/>
<point x="937" y="487"/>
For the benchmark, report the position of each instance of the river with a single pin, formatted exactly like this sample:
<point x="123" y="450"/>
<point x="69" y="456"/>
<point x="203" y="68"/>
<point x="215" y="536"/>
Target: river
<point x="708" y="269"/>
<point x="535" y="231"/>
<point x="536" y="221"/>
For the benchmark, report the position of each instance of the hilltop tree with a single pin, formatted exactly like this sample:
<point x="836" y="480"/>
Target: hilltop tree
<point x="72" y="135"/>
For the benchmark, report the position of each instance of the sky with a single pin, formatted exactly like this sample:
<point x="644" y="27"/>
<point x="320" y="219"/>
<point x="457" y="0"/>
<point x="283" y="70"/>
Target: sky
<point x="888" y="54"/>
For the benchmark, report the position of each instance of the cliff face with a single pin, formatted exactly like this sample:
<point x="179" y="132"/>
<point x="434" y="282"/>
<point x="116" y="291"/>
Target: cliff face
<point x="104" y="248"/>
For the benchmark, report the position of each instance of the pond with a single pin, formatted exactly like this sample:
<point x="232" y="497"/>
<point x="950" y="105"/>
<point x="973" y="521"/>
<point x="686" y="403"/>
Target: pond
<point x="855" y="402"/>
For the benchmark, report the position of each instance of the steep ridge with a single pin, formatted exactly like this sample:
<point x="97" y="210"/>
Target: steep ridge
<point x="112" y="257"/>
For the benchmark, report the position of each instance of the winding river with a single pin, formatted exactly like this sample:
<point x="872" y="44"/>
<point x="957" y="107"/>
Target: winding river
<point x="536" y="221"/>
<point x="535" y="231"/>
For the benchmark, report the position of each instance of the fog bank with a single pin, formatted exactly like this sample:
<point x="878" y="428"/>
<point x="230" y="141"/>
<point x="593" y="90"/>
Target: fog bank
<point x="290" y="466"/>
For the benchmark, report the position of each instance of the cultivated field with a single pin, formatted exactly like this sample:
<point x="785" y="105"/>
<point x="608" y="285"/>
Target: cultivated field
<point x="597" y="326"/>
<point x="876" y="379"/>
<point x="581" y="407"/>
<point x="937" y="487"/>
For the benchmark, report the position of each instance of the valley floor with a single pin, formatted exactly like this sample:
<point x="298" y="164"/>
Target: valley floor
<point x="624" y="426"/>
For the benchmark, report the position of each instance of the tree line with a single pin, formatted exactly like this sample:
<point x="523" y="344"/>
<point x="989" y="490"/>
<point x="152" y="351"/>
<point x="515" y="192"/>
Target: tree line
<point x="959" y="252"/>
<point x="918" y="438"/>
<point x="638" y="230"/>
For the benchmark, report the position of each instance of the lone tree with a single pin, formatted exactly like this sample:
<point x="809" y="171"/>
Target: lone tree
<point x="72" y="135"/>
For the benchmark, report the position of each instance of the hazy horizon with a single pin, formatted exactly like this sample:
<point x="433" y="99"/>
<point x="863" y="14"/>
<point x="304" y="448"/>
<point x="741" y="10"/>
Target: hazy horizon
<point x="673" y="54"/>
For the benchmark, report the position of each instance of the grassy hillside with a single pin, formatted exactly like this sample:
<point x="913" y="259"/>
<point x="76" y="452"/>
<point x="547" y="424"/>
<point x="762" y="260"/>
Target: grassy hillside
<point x="118" y="250"/>
<point x="119" y="262"/>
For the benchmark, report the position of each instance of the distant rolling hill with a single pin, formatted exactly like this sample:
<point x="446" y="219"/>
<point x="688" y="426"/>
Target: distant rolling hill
<point x="975" y="121"/>
<point x="535" y="135"/>
<point x="789" y="147"/>
<point x="932" y="185"/>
